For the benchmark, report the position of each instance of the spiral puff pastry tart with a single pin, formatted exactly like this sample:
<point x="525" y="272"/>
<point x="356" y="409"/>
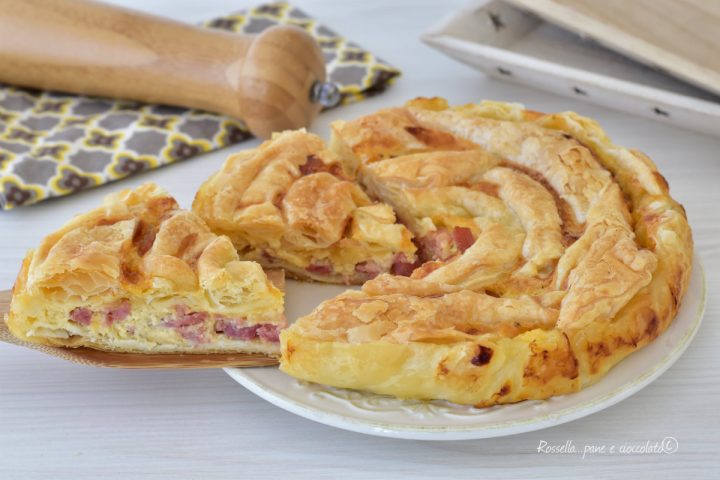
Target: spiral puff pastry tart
<point x="291" y="204"/>
<point x="553" y="254"/>
<point x="138" y="274"/>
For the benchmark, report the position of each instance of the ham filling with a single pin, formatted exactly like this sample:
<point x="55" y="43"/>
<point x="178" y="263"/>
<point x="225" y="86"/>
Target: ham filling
<point x="320" y="268"/>
<point x="113" y="313"/>
<point x="402" y="265"/>
<point x="444" y="243"/>
<point x="235" y="328"/>
<point x="369" y="269"/>
<point x="190" y="325"/>
<point x="462" y="238"/>
<point x="81" y="315"/>
<point x="117" y="313"/>
<point x="314" y="164"/>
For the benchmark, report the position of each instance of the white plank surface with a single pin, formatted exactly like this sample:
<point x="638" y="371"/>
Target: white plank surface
<point x="59" y="420"/>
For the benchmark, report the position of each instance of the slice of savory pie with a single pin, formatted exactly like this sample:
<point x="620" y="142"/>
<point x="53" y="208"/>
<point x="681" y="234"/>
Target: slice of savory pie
<point x="139" y="274"/>
<point x="290" y="204"/>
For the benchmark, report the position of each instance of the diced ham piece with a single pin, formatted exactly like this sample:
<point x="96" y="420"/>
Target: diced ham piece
<point x="320" y="268"/>
<point x="314" y="164"/>
<point x="118" y="312"/>
<point x="269" y="332"/>
<point x="81" y="315"/>
<point x="189" y="325"/>
<point x="186" y="320"/>
<point x="402" y="266"/>
<point x="443" y="244"/>
<point x="193" y="333"/>
<point x="369" y="269"/>
<point x="463" y="238"/>
<point x="192" y="326"/>
<point x="236" y="329"/>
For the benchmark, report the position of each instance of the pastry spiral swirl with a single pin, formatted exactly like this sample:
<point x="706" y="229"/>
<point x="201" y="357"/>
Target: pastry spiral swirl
<point x="551" y="254"/>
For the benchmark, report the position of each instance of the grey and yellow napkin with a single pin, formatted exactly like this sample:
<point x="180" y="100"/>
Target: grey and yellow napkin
<point x="53" y="144"/>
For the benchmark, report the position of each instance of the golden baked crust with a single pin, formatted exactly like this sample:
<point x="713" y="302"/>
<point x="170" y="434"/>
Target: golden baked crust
<point x="290" y="204"/>
<point x="553" y="254"/>
<point x="138" y="274"/>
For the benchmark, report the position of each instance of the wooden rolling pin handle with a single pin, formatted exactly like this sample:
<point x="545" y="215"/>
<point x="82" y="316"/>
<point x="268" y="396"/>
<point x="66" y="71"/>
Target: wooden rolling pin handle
<point x="273" y="81"/>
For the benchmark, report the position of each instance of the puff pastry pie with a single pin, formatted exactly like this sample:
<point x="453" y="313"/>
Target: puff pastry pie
<point x="139" y="274"/>
<point x="552" y="254"/>
<point x="291" y="204"/>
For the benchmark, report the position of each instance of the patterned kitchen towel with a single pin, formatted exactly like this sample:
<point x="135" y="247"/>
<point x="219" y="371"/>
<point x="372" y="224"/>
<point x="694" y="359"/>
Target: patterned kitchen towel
<point x="54" y="144"/>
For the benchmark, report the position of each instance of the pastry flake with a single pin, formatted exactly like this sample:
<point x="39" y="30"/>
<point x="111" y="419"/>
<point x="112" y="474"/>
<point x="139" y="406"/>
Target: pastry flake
<point x="139" y="274"/>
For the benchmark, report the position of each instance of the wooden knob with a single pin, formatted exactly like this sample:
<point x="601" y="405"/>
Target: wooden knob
<point x="276" y="82"/>
<point x="270" y="81"/>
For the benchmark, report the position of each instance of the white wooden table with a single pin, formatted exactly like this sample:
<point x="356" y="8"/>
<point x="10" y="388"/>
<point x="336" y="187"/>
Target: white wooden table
<point x="59" y="420"/>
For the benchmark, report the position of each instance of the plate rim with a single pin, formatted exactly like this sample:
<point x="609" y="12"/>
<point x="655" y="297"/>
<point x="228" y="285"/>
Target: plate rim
<point x="498" y="429"/>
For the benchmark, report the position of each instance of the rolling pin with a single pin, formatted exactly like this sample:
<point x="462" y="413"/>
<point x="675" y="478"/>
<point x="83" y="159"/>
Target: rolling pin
<point x="272" y="81"/>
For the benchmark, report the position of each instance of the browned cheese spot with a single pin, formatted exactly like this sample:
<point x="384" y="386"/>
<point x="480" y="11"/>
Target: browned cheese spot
<point x="676" y="287"/>
<point x="482" y="357"/>
<point x="161" y="207"/>
<point x="442" y="369"/>
<point x="543" y="364"/>
<point x="434" y="138"/>
<point x="143" y="237"/>
<point x="651" y="330"/>
<point x="108" y="221"/>
<point x="186" y="244"/>
<point x="488" y="188"/>
<point x="661" y="180"/>
<point x="129" y="274"/>
<point x="504" y="390"/>
<point x="289" y="350"/>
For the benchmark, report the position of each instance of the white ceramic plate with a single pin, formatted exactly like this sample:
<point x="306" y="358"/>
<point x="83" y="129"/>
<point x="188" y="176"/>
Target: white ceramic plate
<point x="438" y="420"/>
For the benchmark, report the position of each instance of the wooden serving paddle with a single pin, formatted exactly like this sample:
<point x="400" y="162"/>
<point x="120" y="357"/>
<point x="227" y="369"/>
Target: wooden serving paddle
<point x="272" y="81"/>
<point x="98" y="358"/>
